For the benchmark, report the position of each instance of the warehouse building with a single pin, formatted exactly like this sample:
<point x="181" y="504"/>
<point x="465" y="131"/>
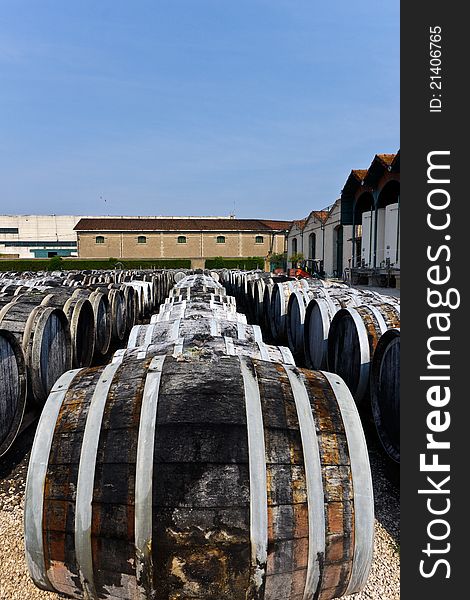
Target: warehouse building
<point x="194" y="238"/>
<point x="359" y="235"/>
<point x="370" y="204"/>
<point x="37" y="236"/>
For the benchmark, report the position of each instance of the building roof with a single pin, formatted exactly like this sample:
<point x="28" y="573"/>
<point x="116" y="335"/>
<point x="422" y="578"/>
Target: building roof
<point x="299" y="223"/>
<point x="180" y="224"/>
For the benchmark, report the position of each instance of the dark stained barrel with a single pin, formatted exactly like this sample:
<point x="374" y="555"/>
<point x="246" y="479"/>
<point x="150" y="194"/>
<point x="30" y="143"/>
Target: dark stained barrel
<point x="79" y="313"/>
<point x="101" y="311"/>
<point x="12" y="389"/>
<point x="44" y="334"/>
<point x="118" y="314"/>
<point x="153" y="479"/>
<point x="353" y="337"/>
<point x="385" y="392"/>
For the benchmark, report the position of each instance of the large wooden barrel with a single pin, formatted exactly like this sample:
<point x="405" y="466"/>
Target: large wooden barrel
<point x="353" y="337"/>
<point x="12" y="389"/>
<point x="44" y="334"/>
<point x="385" y="392"/>
<point x="151" y="479"/>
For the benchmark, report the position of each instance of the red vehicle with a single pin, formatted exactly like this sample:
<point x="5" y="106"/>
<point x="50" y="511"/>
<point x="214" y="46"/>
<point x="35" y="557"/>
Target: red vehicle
<point x="308" y="268"/>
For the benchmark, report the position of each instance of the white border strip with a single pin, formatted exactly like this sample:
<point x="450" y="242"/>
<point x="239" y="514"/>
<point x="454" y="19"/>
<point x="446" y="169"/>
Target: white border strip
<point x="36" y="478"/>
<point x="86" y="475"/>
<point x="144" y="472"/>
<point x="314" y="482"/>
<point x="258" y="478"/>
<point x="363" y="493"/>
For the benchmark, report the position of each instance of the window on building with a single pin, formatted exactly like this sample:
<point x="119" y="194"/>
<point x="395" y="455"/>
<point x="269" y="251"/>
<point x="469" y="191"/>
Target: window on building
<point x="142" y="239"/>
<point x="259" y="239"/>
<point x="181" y="239"/>
<point x="99" y="239"/>
<point x="221" y="239"/>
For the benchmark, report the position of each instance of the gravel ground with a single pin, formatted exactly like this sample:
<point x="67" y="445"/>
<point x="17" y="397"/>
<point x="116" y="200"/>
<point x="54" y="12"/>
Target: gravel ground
<point x="15" y="584"/>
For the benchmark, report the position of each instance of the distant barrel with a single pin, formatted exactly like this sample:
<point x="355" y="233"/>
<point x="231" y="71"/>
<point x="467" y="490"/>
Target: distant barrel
<point x="228" y="478"/>
<point x="12" y="389"/>
<point x="353" y="337"/>
<point x="385" y="392"/>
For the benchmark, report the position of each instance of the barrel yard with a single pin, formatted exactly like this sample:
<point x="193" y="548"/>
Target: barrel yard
<point x="197" y="434"/>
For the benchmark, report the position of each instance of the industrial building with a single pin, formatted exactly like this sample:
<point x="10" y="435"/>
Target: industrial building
<point x="192" y="238"/>
<point x="37" y="236"/>
<point x="359" y="235"/>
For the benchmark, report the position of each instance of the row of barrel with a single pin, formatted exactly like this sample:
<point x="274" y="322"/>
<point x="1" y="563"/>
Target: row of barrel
<point x="50" y="323"/>
<point x="199" y="463"/>
<point x="328" y="325"/>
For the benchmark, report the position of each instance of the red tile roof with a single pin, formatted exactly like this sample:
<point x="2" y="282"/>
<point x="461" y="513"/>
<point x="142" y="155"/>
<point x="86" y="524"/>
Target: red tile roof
<point x="176" y="224"/>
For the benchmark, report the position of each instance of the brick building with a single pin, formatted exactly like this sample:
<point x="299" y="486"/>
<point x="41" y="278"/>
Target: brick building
<point x="179" y="237"/>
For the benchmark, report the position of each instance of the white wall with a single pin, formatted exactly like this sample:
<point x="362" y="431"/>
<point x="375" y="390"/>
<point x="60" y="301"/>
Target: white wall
<point x="313" y="225"/>
<point x="36" y="228"/>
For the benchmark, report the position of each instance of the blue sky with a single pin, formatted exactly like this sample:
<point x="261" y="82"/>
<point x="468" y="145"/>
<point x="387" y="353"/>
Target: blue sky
<point x="196" y="107"/>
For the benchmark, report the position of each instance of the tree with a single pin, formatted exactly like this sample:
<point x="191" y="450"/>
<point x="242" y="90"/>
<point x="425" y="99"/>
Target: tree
<point x="296" y="258"/>
<point x="55" y="264"/>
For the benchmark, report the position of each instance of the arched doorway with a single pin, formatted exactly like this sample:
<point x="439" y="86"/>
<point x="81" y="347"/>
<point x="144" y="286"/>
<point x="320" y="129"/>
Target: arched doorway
<point x="294" y="246"/>
<point x="312" y="242"/>
<point x="338" y="250"/>
<point x="364" y="230"/>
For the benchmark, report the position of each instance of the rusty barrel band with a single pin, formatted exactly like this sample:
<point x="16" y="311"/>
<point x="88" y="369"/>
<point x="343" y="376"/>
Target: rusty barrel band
<point x="363" y="494"/>
<point x="314" y="482"/>
<point x="144" y="471"/>
<point x="257" y="474"/>
<point x="35" y="481"/>
<point x="86" y="475"/>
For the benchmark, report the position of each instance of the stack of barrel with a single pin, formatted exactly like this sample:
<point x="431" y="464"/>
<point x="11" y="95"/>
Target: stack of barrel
<point x="197" y="465"/>
<point x="52" y="322"/>
<point x="330" y="325"/>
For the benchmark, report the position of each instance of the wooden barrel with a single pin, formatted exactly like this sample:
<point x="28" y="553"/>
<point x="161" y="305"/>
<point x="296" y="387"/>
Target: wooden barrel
<point x="118" y="314"/>
<point x="353" y="337"/>
<point x="207" y="347"/>
<point x="149" y="479"/>
<point x="44" y="334"/>
<point x="318" y="316"/>
<point x="385" y="392"/>
<point x="101" y="311"/>
<point x="12" y="389"/>
<point x="130" y="300"/>
<point x="278" y="310"/>
<point x="190" y="329"/>
<point x="79" y="313"/>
